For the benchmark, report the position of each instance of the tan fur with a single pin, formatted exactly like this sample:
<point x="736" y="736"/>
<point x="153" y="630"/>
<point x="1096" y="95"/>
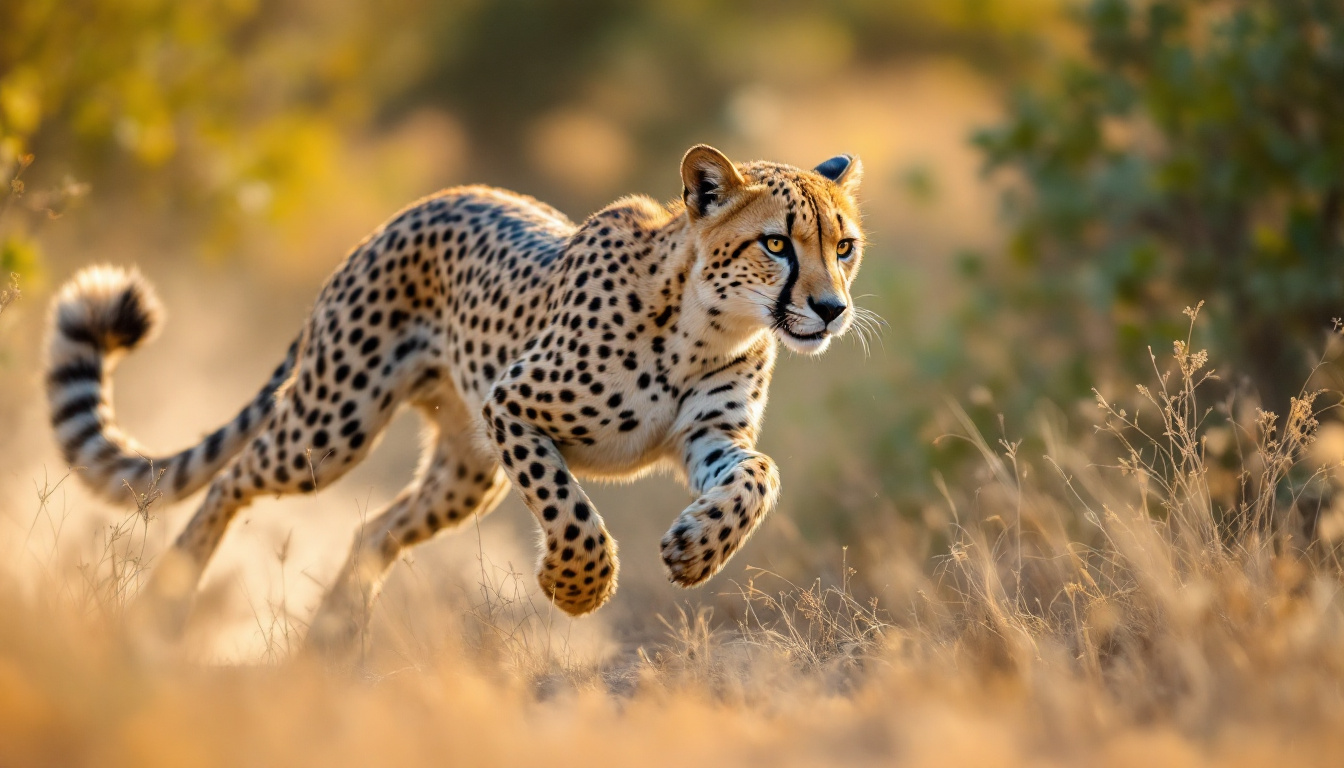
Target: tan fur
<point x="536" y="350"/>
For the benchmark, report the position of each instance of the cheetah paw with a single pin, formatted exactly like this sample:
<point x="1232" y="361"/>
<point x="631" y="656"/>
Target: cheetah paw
<point x="578" y="579"/>
<point x="696" y="547"/>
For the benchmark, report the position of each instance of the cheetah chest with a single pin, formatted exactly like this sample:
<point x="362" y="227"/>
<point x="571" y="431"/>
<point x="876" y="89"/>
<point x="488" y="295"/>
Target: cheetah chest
<point x="622" y="438"/>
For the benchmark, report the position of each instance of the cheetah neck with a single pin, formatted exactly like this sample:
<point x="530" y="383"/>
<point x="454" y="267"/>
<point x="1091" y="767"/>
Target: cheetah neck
<point x="697" y="338"/>
<point x="675" y="315"/>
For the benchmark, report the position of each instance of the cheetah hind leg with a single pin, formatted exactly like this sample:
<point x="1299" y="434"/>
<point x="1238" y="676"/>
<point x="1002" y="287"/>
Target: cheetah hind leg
<point x="455" y="482"/>
<point x="158" y="615"/>
<point x="271" y="464"/>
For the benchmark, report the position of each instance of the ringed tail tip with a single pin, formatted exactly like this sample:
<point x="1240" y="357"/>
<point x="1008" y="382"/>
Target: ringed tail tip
<point x="108" y="308"/>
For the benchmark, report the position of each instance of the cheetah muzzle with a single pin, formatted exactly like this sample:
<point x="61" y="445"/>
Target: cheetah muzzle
<point x="537" y="351"/>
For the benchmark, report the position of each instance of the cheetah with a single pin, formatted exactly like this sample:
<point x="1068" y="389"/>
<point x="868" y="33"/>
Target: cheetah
<point x="537" y="352"/>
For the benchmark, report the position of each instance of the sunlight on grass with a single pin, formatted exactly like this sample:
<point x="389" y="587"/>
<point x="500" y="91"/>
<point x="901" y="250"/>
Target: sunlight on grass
<point x="1107" y="601"/>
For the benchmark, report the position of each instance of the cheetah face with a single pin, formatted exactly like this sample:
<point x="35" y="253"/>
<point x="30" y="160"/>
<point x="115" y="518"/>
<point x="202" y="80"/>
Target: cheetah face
<point x="778" y="246"/>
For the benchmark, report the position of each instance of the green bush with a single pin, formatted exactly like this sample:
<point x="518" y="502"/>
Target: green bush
<point x="1196" y="153"/>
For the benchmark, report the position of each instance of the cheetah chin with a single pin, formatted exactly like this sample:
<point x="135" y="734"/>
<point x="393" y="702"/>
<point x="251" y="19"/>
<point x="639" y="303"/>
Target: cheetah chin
<point x="809" y="344"/>
<point x="538" y="351"/>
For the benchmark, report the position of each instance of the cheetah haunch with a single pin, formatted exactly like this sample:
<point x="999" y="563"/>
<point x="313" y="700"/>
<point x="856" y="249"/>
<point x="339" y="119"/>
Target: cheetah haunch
<point x="535" y="349"/>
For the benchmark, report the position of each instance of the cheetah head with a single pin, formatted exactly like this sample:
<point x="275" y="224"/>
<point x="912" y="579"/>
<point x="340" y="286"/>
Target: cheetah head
<point x="777" y="246"/>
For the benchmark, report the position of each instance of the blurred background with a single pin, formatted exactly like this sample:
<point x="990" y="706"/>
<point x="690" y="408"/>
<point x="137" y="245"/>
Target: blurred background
<point x="1048" y="184"/>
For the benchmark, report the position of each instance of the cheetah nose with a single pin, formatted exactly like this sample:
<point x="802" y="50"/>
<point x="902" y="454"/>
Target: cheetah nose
<point x="826" y="309"/>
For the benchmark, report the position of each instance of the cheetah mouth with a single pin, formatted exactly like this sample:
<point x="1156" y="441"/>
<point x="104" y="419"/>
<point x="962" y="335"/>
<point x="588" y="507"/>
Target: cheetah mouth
<point x="805" y="343"/>
<point x="814" y="336"/>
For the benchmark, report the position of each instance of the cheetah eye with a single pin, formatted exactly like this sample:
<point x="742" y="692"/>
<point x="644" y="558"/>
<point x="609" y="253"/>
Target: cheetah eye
<point x="844" y="248"/>
<point x="774" y="245"/>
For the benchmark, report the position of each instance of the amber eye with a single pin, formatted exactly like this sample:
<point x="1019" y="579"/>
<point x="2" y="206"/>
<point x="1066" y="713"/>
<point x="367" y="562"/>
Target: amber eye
<point x="774" y="244"/>
<point x="844" y="248"/>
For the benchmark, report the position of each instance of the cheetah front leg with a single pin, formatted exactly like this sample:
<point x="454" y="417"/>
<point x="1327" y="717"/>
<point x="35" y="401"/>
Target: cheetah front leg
<point x="736" y="485"/>
<point x="578" y="564"/>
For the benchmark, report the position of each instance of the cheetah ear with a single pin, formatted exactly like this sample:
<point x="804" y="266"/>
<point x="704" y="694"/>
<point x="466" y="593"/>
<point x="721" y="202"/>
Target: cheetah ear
<point x="708" y="179"/>
<point x="845" y="170"/>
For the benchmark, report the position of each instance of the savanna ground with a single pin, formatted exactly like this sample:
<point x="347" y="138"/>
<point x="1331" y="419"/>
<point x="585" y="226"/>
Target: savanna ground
<point x="969" y="567"/>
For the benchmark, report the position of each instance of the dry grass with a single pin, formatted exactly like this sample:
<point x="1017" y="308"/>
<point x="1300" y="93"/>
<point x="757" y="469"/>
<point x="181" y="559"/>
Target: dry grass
<point x="10" y="293"/>
<point x="1178" y="604"/>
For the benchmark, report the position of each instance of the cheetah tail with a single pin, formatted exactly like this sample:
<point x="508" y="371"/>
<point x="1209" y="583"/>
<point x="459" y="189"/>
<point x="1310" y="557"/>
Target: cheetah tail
<point x="101" y="313"/>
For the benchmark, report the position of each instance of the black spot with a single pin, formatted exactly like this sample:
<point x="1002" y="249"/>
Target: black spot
<point x="214" y="443"/>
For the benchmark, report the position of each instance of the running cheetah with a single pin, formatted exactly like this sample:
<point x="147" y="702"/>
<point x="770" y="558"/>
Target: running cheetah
<point x="536" y="350"/>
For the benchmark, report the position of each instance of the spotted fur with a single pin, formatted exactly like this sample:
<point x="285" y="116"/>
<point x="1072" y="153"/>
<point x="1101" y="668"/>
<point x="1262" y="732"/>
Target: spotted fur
<point x="536" y="350"/>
